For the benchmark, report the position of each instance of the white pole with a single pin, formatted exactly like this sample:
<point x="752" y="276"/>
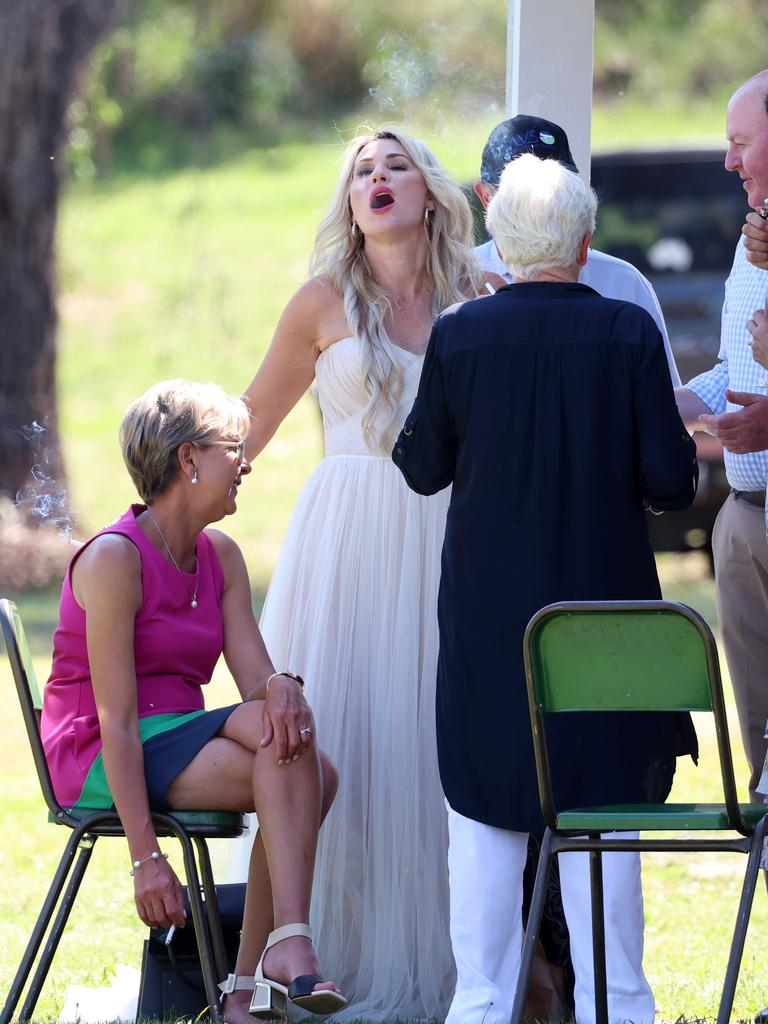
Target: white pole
<point x="549" y="66"/>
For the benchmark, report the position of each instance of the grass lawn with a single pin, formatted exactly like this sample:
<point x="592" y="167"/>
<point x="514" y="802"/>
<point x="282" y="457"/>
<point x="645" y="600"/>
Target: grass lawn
<point x="690" y="900"/>
<point x="185" y="275"/>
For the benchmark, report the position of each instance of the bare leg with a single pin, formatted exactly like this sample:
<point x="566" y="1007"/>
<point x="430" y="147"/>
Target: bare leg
<point x="232" y="772"/>
<point x="258" y="917"/>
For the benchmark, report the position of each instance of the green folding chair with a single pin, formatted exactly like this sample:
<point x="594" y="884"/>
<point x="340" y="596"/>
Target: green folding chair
<point x="191" y="828"/>
<point x="631" y="656"/>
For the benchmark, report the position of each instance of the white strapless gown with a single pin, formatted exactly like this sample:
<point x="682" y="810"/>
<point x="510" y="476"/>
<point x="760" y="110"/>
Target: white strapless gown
<point x="352" y="607"/>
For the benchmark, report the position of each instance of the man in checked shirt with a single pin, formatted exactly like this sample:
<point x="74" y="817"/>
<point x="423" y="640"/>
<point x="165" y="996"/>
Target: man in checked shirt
<point x="731" y="402"/>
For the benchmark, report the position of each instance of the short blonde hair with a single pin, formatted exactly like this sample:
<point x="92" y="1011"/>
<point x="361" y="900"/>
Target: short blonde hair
<point x="165" y="417"/>
<point x="539" y="216"/>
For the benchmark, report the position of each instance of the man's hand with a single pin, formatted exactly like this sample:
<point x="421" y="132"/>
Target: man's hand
<point x="743" y="431"/>
<point x="755" y="233"/>
<point x="758" y="328"/>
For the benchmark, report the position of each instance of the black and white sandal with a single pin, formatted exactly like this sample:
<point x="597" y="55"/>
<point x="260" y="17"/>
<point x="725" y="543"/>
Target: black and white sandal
<point x="270" y="998"/>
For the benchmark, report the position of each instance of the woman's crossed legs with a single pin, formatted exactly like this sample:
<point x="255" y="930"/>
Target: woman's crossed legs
<point x="234" y="772"/>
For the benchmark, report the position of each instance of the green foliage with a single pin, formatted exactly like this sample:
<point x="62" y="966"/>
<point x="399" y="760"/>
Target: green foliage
<point x="181" y="82"/>
<point x="659" y="51"/>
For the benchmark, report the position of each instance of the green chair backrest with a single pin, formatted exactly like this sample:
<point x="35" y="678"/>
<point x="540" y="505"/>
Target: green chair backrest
<point x="630" y="657"/>
<point x="623" y="656"/>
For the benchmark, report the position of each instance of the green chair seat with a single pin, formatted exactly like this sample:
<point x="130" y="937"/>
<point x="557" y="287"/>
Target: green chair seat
<point x="191" y="820"/>
<point x="655" y="817"/>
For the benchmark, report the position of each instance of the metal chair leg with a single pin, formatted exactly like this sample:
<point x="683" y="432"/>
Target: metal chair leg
<point x="199" y="921"/>
<point x="212" y="907"/>
<point x="742" y="922"/>
<point x="543" y="870"/>
<point x="68" y="863"/>
<point x="598" y="934"/>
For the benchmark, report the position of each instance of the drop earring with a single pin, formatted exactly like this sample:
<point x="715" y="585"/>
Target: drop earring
<point x="194" y="478"/>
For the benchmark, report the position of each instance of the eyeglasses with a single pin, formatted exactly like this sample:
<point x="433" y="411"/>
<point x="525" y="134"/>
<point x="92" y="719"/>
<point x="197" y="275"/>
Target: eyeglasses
<point x="233" y="446"/>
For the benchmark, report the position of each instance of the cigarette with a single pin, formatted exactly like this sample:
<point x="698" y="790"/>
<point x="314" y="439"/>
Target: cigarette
<point x="492" y="290"/>
<point x="169" y="935"/>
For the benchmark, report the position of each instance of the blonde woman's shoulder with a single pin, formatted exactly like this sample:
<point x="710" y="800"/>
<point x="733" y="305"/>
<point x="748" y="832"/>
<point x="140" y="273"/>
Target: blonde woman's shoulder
<point x="323" y="303"/>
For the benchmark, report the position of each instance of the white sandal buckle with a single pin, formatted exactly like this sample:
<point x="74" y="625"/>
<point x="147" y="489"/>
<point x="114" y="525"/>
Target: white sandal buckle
<point x="236" y="983"/>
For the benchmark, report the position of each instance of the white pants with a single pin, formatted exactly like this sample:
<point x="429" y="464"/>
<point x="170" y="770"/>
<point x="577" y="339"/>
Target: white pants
<point x="485" y="867"/>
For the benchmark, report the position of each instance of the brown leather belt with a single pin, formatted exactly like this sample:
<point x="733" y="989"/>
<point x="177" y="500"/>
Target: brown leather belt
<point x="751" y="497"/>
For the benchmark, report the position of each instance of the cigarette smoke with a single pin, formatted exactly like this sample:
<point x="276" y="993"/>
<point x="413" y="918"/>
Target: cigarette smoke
<point x="418" y="80"/>
<point x="43" y="500"/>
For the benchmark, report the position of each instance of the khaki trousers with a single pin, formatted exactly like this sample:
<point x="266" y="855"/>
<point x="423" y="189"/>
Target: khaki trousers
<point x="741" y="590"/>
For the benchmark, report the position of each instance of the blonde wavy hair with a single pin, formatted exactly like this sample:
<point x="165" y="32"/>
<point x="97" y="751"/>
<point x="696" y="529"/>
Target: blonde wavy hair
<point x="339" y="257"/>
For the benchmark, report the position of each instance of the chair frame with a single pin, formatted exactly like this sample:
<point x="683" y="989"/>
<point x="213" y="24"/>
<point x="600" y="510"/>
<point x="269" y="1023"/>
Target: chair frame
<point x="561" y="840"/>
<point x="191" y="828"/>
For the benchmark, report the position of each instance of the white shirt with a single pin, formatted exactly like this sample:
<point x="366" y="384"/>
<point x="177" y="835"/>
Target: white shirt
<point x="608" y="275"/>
<point x="745" y="291"/>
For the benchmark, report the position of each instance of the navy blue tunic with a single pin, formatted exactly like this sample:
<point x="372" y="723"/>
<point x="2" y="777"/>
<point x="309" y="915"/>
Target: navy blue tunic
<point x="551" y="411"/>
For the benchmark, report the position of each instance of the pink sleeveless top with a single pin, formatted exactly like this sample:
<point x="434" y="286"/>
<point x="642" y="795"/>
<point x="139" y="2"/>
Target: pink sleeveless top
<point x="176" y="648"/>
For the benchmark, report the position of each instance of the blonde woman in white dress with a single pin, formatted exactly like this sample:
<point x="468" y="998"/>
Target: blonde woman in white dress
<point x="352" y="603"/>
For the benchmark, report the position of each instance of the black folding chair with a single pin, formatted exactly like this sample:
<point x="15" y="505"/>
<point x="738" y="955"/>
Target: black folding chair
<point x="631" y="656"/>
<point x="191" y="828"/>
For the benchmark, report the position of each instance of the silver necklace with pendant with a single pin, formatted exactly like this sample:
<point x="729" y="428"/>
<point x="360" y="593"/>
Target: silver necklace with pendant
<point x="193" y="595"/>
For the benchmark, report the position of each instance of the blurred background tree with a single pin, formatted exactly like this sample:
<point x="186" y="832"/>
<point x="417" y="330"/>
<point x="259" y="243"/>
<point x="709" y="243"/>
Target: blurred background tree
<point x="43" y="47"/>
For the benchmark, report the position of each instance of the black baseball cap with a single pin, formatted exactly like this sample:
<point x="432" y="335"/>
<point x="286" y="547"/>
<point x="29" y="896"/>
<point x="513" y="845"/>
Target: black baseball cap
<point x="524" y="134"/>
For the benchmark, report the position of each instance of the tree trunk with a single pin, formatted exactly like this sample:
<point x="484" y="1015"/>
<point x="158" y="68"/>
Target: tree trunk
<point x="44" y="44"/>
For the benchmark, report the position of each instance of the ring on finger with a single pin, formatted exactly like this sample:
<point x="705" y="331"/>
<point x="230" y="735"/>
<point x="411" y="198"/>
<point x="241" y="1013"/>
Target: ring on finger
<point x="306" y="731"/>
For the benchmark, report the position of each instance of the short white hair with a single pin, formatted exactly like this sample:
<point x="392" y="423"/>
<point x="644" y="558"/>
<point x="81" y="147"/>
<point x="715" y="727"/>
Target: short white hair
<point x="539" y="216"/>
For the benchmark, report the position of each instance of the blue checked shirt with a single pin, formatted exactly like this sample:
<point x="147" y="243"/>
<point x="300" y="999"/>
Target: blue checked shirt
<point x="745" y="291"/>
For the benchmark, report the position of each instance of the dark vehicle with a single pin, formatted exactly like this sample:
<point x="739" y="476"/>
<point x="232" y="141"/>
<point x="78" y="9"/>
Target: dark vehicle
<point x="677" y="216"/>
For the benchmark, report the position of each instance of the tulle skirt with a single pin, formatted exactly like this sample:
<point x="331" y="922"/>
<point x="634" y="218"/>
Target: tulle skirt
<point x="352" y="607"/>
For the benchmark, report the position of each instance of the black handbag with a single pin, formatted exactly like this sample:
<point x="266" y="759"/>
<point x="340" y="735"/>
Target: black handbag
<point x="171" y="979"/>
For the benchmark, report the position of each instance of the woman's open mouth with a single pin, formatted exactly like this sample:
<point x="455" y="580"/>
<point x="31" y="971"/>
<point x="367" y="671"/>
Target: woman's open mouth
<point x="381" y="199"/>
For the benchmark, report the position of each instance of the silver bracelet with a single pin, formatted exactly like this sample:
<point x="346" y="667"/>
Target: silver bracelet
<point x="285" y="672"/>
<point x="155" y="855"/>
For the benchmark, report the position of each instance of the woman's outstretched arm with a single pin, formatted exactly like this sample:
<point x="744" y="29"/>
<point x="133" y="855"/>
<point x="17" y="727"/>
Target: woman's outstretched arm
<point x="288" y="368"/>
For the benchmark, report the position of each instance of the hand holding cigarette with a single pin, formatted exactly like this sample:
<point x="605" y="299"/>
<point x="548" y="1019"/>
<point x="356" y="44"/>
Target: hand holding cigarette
<point x="755" y="232"/>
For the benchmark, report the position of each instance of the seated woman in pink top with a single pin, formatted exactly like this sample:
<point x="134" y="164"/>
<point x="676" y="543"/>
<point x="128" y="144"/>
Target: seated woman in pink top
<point x="147" y="607"/>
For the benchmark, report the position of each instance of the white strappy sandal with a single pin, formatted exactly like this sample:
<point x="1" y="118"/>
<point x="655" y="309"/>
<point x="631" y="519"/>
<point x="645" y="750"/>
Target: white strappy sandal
<point x="236" y="983"/>
<point x="270" y="998"/>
